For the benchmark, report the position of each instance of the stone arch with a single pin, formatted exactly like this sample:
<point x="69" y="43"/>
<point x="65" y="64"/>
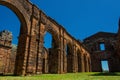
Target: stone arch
<point x="45" y="60"/>
<point x="22" y="42"/>
<point x="31" y="37"/>
<point x="18" y="12"/>
<point x="79" y="60"/>
<point x="53" y="52"/>
<point x="86" y="63"/>
<point x="55" y="35"/>
<point x="69" y="56"/>
<point x="69" y="50"/>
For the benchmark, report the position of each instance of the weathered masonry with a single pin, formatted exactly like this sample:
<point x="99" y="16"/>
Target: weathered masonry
<point x="32" y="57"/>
<point x="7" y="53"/>
<point x="104" y="46"/>
<point x="5" y="50"/>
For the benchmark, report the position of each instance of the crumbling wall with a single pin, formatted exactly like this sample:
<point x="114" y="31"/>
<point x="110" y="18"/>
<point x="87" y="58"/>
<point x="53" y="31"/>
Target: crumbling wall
<point x="109" y="53"/>
<point x="29" y="58"/>
<point x="5" y="50"/>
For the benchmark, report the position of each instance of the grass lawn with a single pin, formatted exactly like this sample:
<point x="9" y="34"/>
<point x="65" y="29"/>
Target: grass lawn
<point x="69" y="76"/>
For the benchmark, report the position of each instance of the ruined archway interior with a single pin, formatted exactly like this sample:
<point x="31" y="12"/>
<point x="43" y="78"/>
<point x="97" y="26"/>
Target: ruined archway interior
<point x="9" y="33"/>
<point x="49" y="52"/>
<point x="48" y="40"/>
<point x="69" y="57"/>
<point x="47" y="47"/>
<point x="32" y="56"/>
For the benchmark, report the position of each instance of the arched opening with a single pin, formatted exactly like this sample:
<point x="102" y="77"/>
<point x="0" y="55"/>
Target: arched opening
<point x="79" y="61"/>
<point x="69" y="58"/>
<point x="45" y="60"/>
<point x="48" y="40"/>
<point x="47" y="46"/>
<point x="51" y="45"/>
<point x="11" y="19"/>
<point x="9" y="23"/>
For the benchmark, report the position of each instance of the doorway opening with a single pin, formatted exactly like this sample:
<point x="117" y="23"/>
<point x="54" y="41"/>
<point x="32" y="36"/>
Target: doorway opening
<point x="105" y="66"/>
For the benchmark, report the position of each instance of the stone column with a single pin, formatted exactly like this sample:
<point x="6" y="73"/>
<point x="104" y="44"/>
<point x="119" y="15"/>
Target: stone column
<point x="65" y="62"/>
<point x="65" y="56"/>
<point x="79" y="61"/>
<point x="87" y="64"/>
<point x="40" y="44"/>
<point x="82" y="63"/>
<point x="39" y="53"/>
<point x="21" y="56"/>
<point x="75" y="60"/>
<point x="61" y="52"/>
<point x="32" y="54"/>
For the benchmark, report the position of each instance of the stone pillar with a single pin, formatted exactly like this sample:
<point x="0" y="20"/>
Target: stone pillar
<point x="79" y="62"/>
<point x="82" y="63"/>
<point x="32" y="53"/>
<point x="39" y="58"/>
<point x="61" y="52"/>
<point x="21" y="57"/>
<point x="65" y="56"/>
<point x="75" y="60"/>
<point x="31" y="63"/>
<point x="87" y="64"/>
<point x="40" y="29"/>
<point x="65" y="62"/>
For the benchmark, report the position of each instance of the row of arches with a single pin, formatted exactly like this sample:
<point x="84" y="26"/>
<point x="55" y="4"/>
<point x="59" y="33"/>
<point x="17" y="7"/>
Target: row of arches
<point x="72" y="62"/>
<point x="32" y="57"/>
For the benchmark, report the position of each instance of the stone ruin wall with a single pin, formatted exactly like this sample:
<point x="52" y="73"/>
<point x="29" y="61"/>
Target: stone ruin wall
<point x="108" y="54"/>
<point x="5" y="50"/>
<point x="33" y="58"/>
<point x="31" y="54"/>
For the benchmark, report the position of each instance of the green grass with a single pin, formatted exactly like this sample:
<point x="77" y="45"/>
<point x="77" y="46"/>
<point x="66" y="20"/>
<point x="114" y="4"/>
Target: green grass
<point x="69" y="76"/>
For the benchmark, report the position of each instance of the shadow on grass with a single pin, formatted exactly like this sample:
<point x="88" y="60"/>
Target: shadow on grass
<point x="3" y="75"/>
<point x="106" y="74"/>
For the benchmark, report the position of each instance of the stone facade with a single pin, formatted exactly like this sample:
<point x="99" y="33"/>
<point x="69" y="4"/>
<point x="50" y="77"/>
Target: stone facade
<point x="12" y="59"/>
<point x="32" y="57"/>
<point x="5" y="50"/>
<point x="109" y="53"/>
<point x="66" y="54"/>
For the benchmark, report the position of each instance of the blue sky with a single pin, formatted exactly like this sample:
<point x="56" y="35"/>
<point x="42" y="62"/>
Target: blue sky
<point x="81" y="18"/>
